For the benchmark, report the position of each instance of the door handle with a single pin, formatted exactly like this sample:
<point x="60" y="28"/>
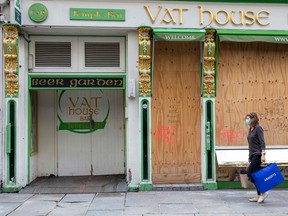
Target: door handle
<point x="92" y="123"/>
<point x="208" y="135"/>
<point x="8" y="139"/>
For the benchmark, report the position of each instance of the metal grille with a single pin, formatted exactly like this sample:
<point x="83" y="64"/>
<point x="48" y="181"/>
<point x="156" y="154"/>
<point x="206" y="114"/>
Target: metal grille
<point x="102" y="54"/>
<point x="52" y="54"/>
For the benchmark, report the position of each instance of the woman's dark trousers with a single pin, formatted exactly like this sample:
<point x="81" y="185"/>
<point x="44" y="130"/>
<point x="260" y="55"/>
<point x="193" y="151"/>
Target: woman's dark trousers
<point x="254" y="166"/>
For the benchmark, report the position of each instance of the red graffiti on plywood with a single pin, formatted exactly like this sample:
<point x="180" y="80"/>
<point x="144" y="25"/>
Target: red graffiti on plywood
<point x="231" y="136"/>
<point x="228" y="136"/>
<point x="166" y="134"/>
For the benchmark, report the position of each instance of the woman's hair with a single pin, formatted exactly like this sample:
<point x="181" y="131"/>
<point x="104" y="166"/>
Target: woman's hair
<point x="254" y="119"/>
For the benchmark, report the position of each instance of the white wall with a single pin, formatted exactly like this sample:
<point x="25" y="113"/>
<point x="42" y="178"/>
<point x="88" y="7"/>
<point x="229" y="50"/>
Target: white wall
<point x="133" y="149"/>
<point x="33" y="167"/>
<point x="22" y="116"/>
<point x="47" y="154"/>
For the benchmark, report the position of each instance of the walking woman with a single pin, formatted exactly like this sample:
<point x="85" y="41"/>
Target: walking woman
<point x="256" y="151"/>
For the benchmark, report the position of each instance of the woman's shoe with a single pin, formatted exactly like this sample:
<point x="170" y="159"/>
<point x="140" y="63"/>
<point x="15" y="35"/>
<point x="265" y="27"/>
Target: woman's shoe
<point x="262" y="197"/>
<point x="254" y="199"/>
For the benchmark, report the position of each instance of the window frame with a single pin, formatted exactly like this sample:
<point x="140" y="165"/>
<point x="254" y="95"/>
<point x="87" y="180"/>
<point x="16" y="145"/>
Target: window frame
<point x="81" y="60"/>
<point x="78" y="54"/>
<point x="74" y="49"/>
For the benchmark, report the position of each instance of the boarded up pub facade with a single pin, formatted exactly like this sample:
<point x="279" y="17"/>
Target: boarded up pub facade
<point x="156" y="91"/>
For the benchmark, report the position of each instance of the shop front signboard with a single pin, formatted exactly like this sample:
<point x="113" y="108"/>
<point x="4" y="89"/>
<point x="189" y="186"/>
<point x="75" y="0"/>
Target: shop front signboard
<point x="105" y="82"/>
<point x="97" y="14"/>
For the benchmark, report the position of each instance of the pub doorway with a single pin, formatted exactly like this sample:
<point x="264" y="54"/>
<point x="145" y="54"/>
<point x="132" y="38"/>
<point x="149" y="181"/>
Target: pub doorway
<point x="77" y="133"/>
<point x="176" y="143"/>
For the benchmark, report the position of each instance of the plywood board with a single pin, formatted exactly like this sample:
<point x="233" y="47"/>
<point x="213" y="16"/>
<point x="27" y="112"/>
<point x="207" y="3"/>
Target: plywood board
<point x="176" y="149"/>
<point x="252" y="77"/>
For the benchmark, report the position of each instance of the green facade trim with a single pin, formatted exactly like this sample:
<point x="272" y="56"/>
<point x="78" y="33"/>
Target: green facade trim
<point x="211" y="143"/>
<point x="229" y="185"/>
<point x="133" y="188"/>
<point x="283" y="184"/>
<point x="148" y="140"/>
<point x="8" y="144"/>
<point x="253" y="36"/>
<point x="11" y="189"/>
<point x="210" y="185"/>
<point x="253" y="32"/>
<point x="146" y="187"/>
<point x="8" y="138"/>
<point x="237" y="185"/>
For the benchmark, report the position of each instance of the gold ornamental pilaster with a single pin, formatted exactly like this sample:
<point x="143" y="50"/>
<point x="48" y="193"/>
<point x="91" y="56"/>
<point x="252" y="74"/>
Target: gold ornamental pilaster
<point x="209" y="84"/>
<point x="10" y="46"/>
<point x="144" y="38"/>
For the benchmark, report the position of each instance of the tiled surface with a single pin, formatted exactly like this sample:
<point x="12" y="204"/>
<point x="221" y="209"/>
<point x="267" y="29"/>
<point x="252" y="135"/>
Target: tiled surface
<point x="155" y="203"/>
<point x="177" y="187"/>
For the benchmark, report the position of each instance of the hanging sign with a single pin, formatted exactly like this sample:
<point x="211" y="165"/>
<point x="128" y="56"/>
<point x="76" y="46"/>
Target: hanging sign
<point x="38" y="12"/>
<point x="17" y="8"/>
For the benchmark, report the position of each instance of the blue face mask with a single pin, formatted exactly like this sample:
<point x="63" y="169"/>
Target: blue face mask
<point x="248" y="122"/>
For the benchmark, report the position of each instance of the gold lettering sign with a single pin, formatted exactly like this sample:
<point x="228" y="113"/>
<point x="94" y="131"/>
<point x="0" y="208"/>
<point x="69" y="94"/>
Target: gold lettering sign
<point x="221" y="17"/>
<point x="83" y="107"/>
<point x="168" y="17"/>
<point x="243" y="17"/>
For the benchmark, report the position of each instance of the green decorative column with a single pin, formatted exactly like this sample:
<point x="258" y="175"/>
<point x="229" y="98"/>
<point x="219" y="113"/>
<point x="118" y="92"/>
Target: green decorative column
<point x="11" y="68"/>
<point x="208" y="93"/>
<point x="145" y="62"/>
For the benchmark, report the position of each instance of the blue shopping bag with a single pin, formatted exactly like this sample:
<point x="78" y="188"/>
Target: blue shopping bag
<point x="267" y="177"/>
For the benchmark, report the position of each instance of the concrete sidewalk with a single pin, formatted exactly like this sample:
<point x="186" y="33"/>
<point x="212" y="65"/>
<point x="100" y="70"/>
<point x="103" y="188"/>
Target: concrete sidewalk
<point x="178" y="203"/>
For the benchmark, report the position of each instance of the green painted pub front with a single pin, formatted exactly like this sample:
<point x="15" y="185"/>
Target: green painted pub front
<point x="156" y="91"/>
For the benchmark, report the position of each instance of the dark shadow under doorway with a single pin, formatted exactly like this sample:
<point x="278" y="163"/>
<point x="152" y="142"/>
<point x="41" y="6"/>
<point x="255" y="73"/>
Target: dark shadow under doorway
<point x="77" y="184"/>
